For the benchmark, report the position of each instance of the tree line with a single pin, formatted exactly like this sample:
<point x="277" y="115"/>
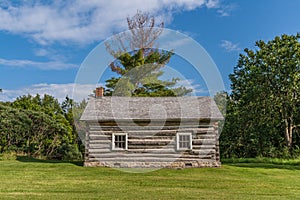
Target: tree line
<point x="263" y="109"/>
<point x="40" y="127"/>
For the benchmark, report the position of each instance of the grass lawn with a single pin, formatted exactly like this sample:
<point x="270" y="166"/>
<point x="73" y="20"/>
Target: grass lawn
<point x="36" y="179"/>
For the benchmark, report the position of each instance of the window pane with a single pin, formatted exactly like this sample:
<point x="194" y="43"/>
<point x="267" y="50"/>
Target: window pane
<point x="184" y="141"/>
<point x="120" y="141"/>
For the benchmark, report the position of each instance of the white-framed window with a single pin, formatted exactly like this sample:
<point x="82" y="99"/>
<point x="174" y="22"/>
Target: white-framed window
<point x="119" y="141"/>
<point x="184" y="141"/>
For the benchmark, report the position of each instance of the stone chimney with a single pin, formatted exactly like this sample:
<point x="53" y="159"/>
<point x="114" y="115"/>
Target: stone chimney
<point x="99" y="92"/>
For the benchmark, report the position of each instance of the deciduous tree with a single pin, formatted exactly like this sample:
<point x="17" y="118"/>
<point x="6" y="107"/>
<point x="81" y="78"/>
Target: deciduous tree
<point x="266" y="90"/>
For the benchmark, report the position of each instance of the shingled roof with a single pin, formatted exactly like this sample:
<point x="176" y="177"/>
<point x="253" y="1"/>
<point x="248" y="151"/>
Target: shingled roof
<point x="154" y="108"/>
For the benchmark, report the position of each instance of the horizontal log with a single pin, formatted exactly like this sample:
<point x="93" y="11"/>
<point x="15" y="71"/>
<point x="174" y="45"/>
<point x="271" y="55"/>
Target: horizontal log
<point x="203" y="151"/>
<point x="137" y="142"/>
<point x="103" y="141"/>
<point x="150" y="137"/>
<point x="95" y="148"/>
<point x="98" y="151"/>
<point x="204" y="141"/>
<point x="151" y="129"/>
<point x="199" y="134"/>
<point x="207" y="157"/>
<point x="138" y="128"/>
<point x="158" y="133"/>
<point x="149" y="147"/>
<point x="145" y="159"/>
<point x="148" y="142"/>
<point x="206" y="147"/>
<point x="98" y="129"/>
<point x="139" y="155"/>
<point x="100" y="134"/>
<point x="153" y="132"/>
<point x="204" y="130"/>
<point x="153" y="151"/>
<point x="197" y="139"/>
<point x="99" y="137"/>
<point x="162" y="150"/>
<point x="205" y="136"/>
<point x="134" y="132"/>
<point x="197" y="153"/>
<point x="154" y="122"/>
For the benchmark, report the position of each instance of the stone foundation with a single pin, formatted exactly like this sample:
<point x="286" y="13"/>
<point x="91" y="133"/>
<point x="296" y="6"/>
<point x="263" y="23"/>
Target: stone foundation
<point x="176" y="164"/>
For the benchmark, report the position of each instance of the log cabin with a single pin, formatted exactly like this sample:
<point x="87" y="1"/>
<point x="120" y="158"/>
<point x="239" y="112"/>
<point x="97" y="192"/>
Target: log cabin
<point x="152" y="132"/>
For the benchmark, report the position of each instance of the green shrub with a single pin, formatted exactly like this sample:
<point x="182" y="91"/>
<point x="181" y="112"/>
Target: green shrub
<point x="11" y="155"/>
<point x="68" y="152"/>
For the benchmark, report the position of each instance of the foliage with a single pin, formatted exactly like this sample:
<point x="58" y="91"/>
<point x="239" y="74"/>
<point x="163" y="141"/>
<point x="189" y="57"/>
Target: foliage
<point x="221" y="100"/>
<point x="263" y="110"/>
<point x="40" y="127"/>
<point x="81" y="126"/>
<point x="8" y="156"/>
<point x="139" y="66"/>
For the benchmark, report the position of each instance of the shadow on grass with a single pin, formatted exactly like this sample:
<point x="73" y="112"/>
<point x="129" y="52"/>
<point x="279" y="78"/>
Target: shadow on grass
<point x="36" y="160"/>
<point x="265" y="166"/>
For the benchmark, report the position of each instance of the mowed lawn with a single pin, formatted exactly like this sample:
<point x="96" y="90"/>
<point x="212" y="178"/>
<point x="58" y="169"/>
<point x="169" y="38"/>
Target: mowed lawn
<point x="34" y="179"/>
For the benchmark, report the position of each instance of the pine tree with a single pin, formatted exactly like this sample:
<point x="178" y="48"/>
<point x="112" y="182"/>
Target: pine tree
<point x="139" y="64"/>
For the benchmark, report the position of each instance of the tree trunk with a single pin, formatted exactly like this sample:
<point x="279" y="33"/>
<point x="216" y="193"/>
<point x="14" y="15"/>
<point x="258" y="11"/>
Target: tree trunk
<point x="289" y="132"/>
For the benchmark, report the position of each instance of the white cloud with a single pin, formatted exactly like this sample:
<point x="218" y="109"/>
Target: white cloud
<point x="178" y="43"/>
<point x="83" y="21"/>
<point x="51" y="65"/>
<point x="50" y="53"/>
<point x="198" y="89"/>
<point x="229" y="46"/>
<point x="59" y="91"/>
<point x="41" y="52"/>
<point x="78" y="92"/>
<point x="213" y="4"/>
<point x="226" y="10"/>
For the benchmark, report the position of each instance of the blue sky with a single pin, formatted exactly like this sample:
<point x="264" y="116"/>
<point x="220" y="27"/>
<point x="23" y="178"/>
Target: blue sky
<point x="43" y="43"/>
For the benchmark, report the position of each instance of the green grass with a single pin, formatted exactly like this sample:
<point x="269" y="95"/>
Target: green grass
<point x="278" y="161"/>
<point x="37" y="179"/>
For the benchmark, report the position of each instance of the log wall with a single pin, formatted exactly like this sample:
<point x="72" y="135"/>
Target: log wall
<point x="152" y="146"/>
